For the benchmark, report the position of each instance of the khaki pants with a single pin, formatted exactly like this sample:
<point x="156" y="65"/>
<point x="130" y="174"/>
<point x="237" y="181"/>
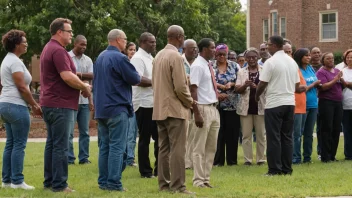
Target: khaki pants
<point x="247" y="123"/>
<point x="172" y="148"/>
<point x="189" y="145"/>
<point x="204" y="141"/>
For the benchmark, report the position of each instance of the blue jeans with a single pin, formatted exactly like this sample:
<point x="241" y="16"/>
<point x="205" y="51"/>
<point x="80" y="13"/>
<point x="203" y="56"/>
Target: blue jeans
<point x="297" y="134"/>
<point x="131" y="139"/>
<point x="17" y="122"/>
<point x="82" y="116"/>
<point x="59" y="122"/>
<point x="309" y="120"/>
<point x="112" y="151"/>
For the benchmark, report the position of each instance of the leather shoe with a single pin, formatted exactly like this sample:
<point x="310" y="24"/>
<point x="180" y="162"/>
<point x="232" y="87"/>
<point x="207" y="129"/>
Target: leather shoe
<point x="208" y="185"/>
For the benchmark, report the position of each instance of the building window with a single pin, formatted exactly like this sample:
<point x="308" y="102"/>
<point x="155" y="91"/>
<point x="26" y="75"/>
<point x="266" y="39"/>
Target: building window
<point x="265" y="29"/>
<point x="328" y="26"/>
<point x="283" y="27"/>
<point x="274" y="23"/>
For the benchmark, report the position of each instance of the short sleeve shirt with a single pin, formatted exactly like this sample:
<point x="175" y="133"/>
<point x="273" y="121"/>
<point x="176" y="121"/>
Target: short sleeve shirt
<point x="84" y="64"/>
<point x="347" y="92"/>
<point x="281" y="73"/>
<point x="142" y="96"/>
<point x="335" y="92"/>
<point x="201" y="77"/>
<point x="230" y="103"/>
<point x="10" y="94"/>
<point x="54" y="91"/>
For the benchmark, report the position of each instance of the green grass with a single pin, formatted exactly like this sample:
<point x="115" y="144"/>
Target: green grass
<point x="315" y="179"/>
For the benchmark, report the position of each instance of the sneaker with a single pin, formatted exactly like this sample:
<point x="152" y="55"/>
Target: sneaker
<point x="5" y="185"/>
<point x="319" y="157"/>
<point x="23" y="185"/>
<point x="133" y="165"/>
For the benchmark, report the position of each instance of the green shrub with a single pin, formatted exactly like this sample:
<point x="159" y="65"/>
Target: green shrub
<point x="338" y="57"/>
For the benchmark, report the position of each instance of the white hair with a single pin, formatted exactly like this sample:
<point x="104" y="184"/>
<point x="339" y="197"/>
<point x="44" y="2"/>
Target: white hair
<point x="189" y="41"/>
<point x="114" y="34"/>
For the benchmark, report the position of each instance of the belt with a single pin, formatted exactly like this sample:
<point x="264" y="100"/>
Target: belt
<point x="212" y="104"/>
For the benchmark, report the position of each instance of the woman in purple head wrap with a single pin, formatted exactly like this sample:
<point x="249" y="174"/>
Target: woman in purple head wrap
<point x="226" y="75"/>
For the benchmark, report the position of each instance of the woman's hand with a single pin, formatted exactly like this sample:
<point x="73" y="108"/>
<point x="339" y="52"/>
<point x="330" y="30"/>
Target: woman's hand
<point x="37" y="111"/>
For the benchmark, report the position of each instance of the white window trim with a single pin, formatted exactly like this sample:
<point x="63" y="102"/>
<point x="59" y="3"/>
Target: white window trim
<point x="280" y="30"/>
<point x="264" y="31"/>
<point x="320" y="26"/>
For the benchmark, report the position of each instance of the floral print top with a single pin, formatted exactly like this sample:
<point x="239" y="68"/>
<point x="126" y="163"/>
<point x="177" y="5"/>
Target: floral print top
<point x="230" y="103"/>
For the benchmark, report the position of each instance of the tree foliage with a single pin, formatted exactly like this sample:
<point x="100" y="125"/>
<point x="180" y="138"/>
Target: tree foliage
<point x="217" y="19"/>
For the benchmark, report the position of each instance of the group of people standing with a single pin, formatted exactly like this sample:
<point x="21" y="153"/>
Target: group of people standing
<point x="194" y="106"/>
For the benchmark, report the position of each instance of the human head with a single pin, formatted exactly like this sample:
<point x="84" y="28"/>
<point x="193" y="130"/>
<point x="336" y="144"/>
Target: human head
<point x="302" y="57"/>
<point x="347" y="58"/>
<point x="190" y="49"/>
<point x="221" y="53"/>
<point x="264" y="54"/>
<point x="275" y="44"/>
<point x="118" y="39"/>
<point x="147" y="42"/>
<point x="206" y="48"/>
<point x="288" y="49"/>
<point x="241" y="60"/>
<point x="80" y="45"/>
<point x="327" y="59"/>
<point x="315" y="54"/>
<point x="251" y="57"/>
<point x="232" y="56"/>
<point x="15" y="41"/>
<point x="62" y="31"/>
<point x="176" y="36"/>
<point x="287" y="41"/>
<point x="263" y="47"/>
<point x="130" y="49"/>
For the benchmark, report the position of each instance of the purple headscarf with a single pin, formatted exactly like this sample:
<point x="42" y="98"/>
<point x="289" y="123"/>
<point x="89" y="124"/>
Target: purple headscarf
<point x="222" y="46"/>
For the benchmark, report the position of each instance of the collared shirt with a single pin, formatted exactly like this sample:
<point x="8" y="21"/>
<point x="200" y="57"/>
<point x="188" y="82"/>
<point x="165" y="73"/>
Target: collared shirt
<point x="171" y="92"/>
<point x="54" y="92"/>
<point x="114" y="76"/>
<point x="201" y="77"/>
<point x="230" y="103"/>
<point x="186" y="64"/>
<point x="83" y="65"/>
<point x="142" y="96"/>
<point x="281" y="73"/>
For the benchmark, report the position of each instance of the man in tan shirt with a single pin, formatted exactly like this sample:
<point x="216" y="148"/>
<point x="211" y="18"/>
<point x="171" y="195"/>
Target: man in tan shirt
<point x="172" y="103"/>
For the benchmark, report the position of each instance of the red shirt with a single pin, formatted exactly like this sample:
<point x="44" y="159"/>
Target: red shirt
<point x="54" y="92"/>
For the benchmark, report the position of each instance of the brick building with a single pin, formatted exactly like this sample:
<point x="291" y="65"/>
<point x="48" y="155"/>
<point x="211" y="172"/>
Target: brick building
<point x="322" y="23"/>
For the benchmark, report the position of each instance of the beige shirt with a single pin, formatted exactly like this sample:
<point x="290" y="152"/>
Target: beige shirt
<point x="243" y="105"/>
<point x="172" y="97"/>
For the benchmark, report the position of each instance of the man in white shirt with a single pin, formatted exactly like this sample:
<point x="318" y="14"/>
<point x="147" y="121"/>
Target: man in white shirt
<point x="143" y="105"/>
<point x="84" y="67"/>
<point x="280" y="77"/>
<point x="206" y="115"/>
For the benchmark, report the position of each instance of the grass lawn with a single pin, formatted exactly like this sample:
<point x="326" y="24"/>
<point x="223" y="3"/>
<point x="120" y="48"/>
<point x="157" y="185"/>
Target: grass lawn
<point x="315" y="179"/>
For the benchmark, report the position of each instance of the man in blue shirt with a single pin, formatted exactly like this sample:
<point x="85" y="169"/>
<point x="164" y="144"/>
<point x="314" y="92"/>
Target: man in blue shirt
<point x="113" y="77"/>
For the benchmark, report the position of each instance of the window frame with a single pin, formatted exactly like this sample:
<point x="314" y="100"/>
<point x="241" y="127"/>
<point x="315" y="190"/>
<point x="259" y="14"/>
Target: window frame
<point x="280" y="29"/>
<point x="321" y="13"/>
<point x="267" y="20"/>
<point x="273" y="24"/>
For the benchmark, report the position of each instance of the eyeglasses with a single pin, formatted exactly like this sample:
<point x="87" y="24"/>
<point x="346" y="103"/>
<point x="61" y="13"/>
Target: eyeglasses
<point x="263" y="49"/>
<point x="69" y="31"/>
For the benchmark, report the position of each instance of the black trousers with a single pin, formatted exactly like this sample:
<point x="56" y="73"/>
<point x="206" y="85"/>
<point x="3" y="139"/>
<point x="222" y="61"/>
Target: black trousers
<point x="347" y="133"/>
<point x="147" y="128"/>
<point x="330" y="115"/>
<point x="279" y="132"/>
<point x="228" y="135"/>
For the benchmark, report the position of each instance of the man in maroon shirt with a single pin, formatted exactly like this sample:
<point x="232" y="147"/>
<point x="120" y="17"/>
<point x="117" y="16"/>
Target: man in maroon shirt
<point x="60" y="89"/>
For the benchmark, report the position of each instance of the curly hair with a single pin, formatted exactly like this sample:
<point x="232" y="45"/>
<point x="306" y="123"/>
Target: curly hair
<point x="11" y="39"/>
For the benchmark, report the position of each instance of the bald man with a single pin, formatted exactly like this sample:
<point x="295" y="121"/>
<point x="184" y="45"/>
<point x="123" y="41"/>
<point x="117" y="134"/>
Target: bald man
<point x="288" y="49"/>
<point x="84" y="68"/>
<point x="172" y="103"/>
<point x="113" y="77"/>
<point x="315" y="60"/>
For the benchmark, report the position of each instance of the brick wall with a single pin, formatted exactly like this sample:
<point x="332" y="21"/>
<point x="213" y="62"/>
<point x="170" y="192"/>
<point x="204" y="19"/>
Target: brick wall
<point x="302" y="19"/>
